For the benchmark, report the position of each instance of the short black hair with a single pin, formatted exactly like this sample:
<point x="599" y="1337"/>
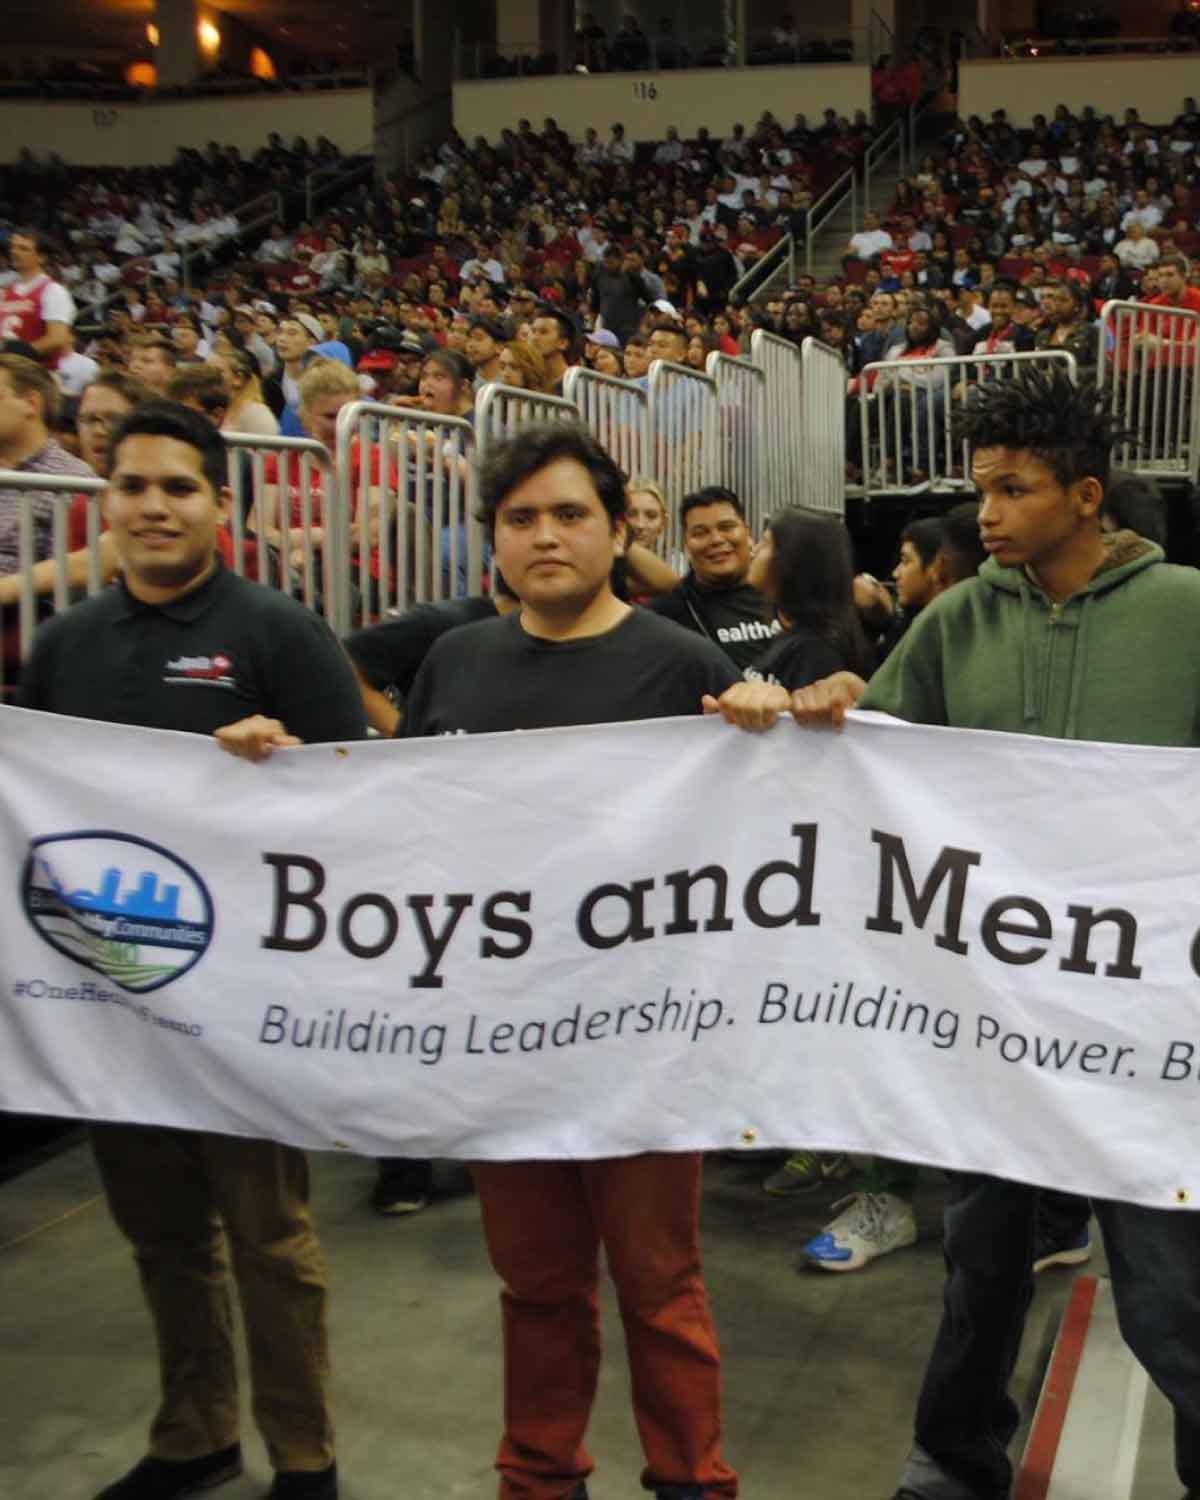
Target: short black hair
<point x="962" y="549"/>
<point x="926" y="536"/>
<point x="711" y="494"/>
<point x="567" y="325"/>
<point x="1043" y="412"/>
<point x="1136" y="504"/>
<point x="513" y="460"/>
<point x="171" y="420"/>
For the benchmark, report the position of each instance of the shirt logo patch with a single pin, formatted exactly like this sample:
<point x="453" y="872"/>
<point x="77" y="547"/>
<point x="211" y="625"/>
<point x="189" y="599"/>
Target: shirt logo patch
<point x="213" y="671"/>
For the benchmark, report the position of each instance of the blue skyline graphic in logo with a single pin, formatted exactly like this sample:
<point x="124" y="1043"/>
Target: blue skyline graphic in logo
<point x="120" y="905"/>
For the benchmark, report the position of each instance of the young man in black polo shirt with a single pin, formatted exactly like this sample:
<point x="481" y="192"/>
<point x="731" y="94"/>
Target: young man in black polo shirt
<point x="575" y="654"/>
<point x="715" y="599"/>
<point x="180" y="643"/>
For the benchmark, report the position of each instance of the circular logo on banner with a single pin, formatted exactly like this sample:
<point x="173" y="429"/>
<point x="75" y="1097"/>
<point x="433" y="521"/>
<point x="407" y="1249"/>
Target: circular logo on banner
<point x="120" y="905"/>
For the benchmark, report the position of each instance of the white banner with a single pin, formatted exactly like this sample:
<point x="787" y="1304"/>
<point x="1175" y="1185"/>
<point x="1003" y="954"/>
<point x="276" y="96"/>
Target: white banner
<point x="971" y="950"/>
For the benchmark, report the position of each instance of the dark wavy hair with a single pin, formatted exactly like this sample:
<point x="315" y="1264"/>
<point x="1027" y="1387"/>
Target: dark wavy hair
<point x="810" y="579"/>
<point x="1042" y="412"/>
<point x="511" y="462"/>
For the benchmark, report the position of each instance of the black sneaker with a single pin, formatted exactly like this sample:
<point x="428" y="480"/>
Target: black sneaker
<point x="305" y="1484"/>
<point x="165" y="1479"/>
<point x="402" y="1187"/>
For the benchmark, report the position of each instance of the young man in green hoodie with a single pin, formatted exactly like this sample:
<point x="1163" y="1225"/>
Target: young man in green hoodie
<point x="1075" y="634"/>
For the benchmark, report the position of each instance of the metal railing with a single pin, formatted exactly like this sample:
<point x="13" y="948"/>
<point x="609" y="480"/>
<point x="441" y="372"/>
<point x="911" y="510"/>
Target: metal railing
<point x="818" y="214"/>
<point x="682" y="412"/>
<point x="501" y="410"/>
<point x="42" y="590"/>
<point x="822" y="427"/>
<point x="741" y="430"/>
<point x="283" y="518"/>
<point x="779" y="472"/>
<point x="906" y="437"/>
<point x="893" y="141"/>
<point x="614" y="412"/>
<point x="765" y="270"/>
<point x="336" y="176"/>
<point x="407" y="531"/>
<point x="1148" y="361"/>
<point x="257" y="213"/>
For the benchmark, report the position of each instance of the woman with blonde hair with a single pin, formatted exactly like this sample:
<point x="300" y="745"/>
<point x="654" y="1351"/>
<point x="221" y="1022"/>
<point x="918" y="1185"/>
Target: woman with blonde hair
<point x="248" y="412"/>
<point x="521" y="365"/>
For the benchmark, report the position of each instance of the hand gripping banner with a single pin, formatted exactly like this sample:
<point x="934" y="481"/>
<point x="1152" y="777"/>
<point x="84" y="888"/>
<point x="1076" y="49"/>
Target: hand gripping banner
<point x="978" y="951"/>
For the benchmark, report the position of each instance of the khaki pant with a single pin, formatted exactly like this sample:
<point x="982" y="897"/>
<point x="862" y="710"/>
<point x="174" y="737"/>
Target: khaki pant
<point x="188" y="1202"/>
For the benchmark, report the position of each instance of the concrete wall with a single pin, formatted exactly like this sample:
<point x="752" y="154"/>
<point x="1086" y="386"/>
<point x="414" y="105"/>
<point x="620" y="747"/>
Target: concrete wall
<point x="646" y="103"/>
<point x="148" y="134"/>
<point x="1155" y="86"/>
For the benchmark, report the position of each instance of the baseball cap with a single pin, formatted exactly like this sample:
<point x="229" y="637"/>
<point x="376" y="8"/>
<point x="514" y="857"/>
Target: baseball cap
<point x="604" y="337"/>
<point x="310" y="325"/>
<point x="244" y="309"/>
<point x="663" y="306"/>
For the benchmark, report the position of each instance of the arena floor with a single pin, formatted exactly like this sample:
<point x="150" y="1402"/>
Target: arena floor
<point x="821" y="1370"/>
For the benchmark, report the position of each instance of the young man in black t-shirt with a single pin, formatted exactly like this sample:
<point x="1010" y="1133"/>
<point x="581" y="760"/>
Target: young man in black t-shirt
<point x="575" y="654"/>
<point x="181" y="643"/>
<point x="715" y="599"/>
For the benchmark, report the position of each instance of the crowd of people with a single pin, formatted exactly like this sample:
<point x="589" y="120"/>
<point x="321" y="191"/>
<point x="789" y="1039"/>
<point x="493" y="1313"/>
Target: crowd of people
<point x="535" y="255"/>
<point x="541" y="253"/>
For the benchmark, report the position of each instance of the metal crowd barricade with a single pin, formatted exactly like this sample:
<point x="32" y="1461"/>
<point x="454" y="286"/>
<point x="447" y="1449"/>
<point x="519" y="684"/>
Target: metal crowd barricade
<point x="614" y="411"/>
<point x="682" y="413"/>
<point x="779" y="360"/>
<point x="502" y="410"/>
<point x="63" y="490"/>
<point x="822" y="428"/>
<point x="407" y="528"/>
<point x="1149" y="373"/>
<point x="283" y="521"/>
<point x="741" y="431"/>
<point x="906" y="419"/>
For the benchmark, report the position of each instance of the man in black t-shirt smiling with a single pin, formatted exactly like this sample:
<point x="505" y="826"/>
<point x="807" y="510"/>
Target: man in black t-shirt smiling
<point x="715" y="599"/>
<point x="573" y="653"/>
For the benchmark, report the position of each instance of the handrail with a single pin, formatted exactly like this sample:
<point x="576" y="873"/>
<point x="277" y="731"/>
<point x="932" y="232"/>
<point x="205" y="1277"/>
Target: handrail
<point x="189" y="255"/>
<point x="764" y="268"/>
<point x="813" y="225"/>
<point x="1054" y="46"/>
<point x="337" y="175"/>
<point x="877" y="153"/>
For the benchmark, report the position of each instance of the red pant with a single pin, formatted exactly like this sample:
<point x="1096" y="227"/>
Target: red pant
<point x="545" y="1223"/>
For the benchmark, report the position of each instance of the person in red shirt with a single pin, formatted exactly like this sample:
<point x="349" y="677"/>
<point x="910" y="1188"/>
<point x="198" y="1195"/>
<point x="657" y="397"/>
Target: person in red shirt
<point x="280" y="511"/>
<point x="899" y="258"/>
<point x="1171" y="339"/>
<point x="35" y="308"/>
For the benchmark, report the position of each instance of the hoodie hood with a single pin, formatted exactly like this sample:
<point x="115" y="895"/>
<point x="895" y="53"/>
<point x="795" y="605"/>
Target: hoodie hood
<point x="1125" y="552"/>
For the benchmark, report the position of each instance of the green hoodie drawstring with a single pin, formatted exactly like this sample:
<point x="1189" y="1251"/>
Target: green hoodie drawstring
<point x="1028" y="666"/>
<point x="1079" y="668"/>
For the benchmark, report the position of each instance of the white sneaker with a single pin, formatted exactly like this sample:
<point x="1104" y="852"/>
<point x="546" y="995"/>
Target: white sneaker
<point x="871" y="1225"/>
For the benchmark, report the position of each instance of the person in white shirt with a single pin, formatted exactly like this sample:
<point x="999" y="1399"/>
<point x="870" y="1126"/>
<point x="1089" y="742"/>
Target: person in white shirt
<point x="1137" y="250"/>
<point x="1143" y="212"/>
<point x="276" y="246"/>
<point x="1035" y="164"/>
<point x="74" y="371"/>
<point x="482" y="264"/>
<point x="971" y="309"/>
<point x="619" y="147"/>
<point x="165" y="263"/>
<point x="670" y="151"/>
<point x="870" y="241"/>
<point x="591" y="153"/>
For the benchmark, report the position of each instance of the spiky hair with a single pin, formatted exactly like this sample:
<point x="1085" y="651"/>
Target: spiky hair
<point x="1043" y="412"/>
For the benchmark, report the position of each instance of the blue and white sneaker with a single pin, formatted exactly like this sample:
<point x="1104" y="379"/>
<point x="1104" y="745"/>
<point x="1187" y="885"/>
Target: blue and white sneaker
<point x="870" y="1225"/>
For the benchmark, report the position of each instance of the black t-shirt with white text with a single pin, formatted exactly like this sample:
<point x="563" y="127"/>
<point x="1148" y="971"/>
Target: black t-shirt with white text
<point x="732" y="618"/>
<point x="795" y="659"/>
<point x="496" y="676"/>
